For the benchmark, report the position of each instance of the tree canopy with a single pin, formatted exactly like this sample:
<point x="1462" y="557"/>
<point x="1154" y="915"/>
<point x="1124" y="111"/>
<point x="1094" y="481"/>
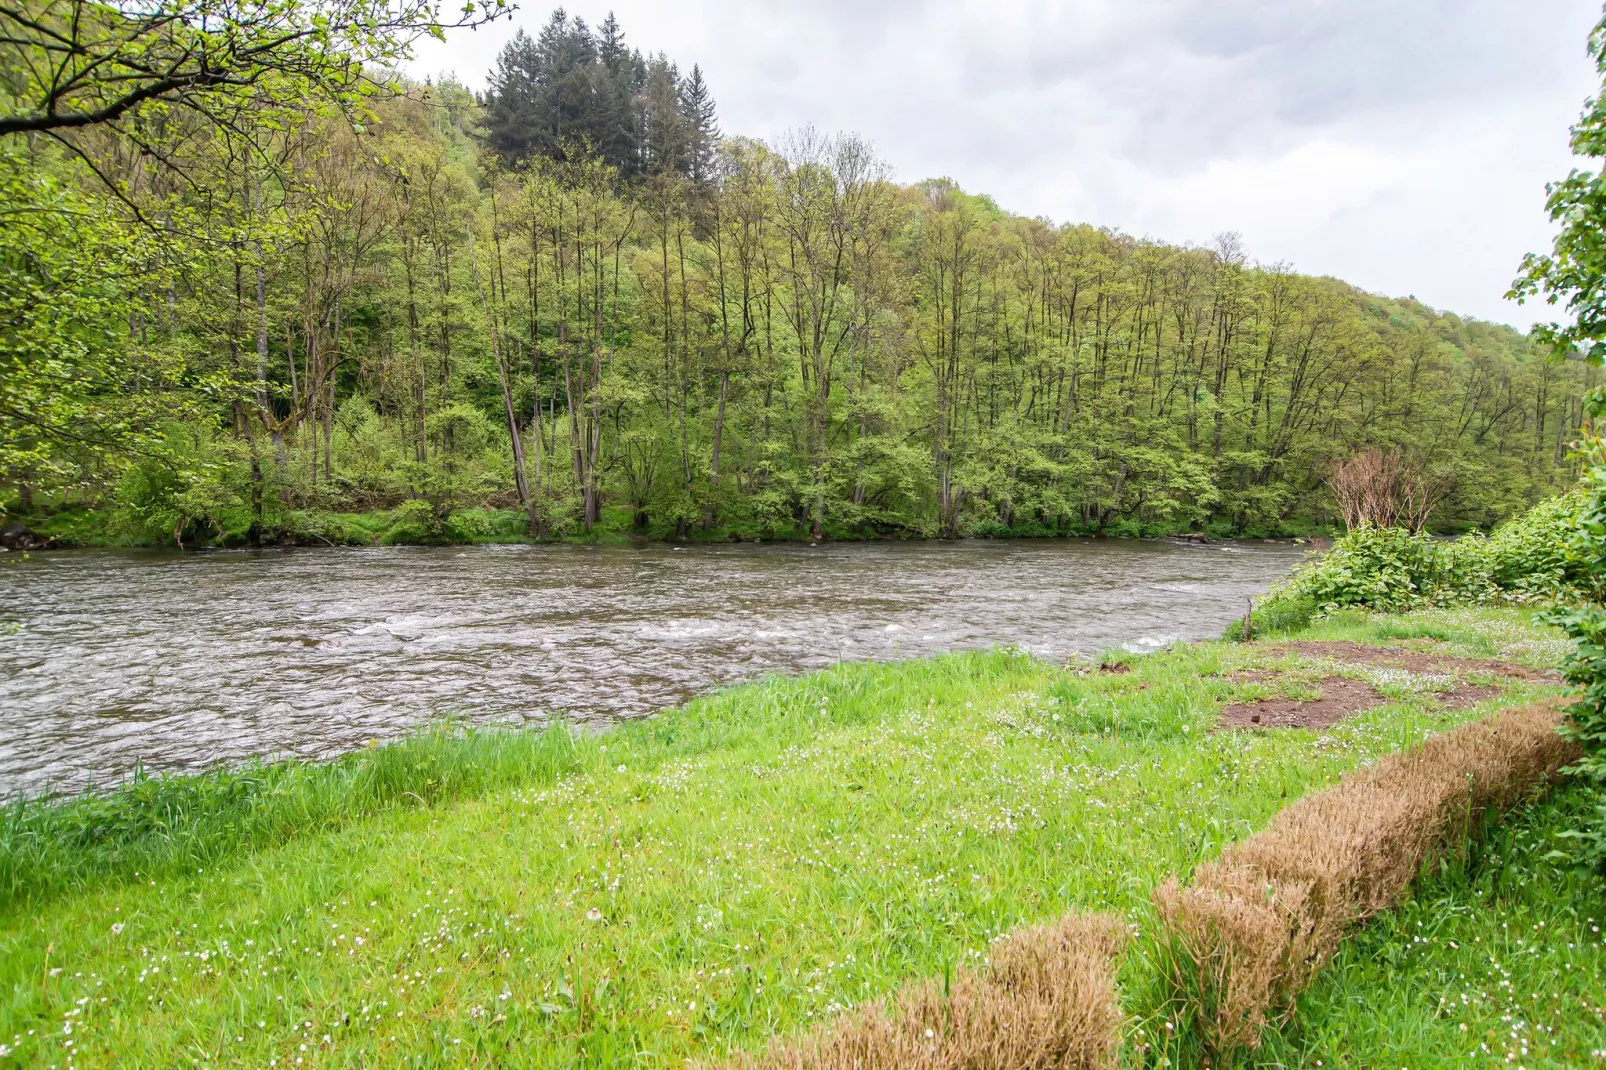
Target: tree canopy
<point x="577" y="297"/>
<point x="1573" y="273"/>
<point x="72" y="64"/>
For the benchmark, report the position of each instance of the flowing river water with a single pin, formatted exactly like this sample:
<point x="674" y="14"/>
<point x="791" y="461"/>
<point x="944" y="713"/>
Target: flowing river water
<point x="183" y="661"/>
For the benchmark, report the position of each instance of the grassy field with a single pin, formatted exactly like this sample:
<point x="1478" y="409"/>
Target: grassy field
<point x="680" y="887"/>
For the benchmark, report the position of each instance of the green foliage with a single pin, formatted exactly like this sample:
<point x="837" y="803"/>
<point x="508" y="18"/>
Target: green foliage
<point x="1530" y="558"/>
<point x="1387" y="569"/>
<point x="1585" y="667"/>
<point x="1573" y="274"/>
<point x="570" y="89"/>
<point x="76" y="66"/>
<point x="672" y="363"/>
<point x="461" y="471"/>
<point x="1538" y="553"/>
<point x="416" y="521"/>
<point x="191" y="481"/>
<point x="69" y="395"/>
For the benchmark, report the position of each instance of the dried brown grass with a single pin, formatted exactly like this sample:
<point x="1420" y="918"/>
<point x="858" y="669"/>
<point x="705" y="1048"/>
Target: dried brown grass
<point x="1045" y="1000"/>
<point x="1245" y="937"/>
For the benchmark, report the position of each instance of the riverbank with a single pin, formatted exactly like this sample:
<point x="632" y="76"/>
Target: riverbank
<point x="80" y="526"/>
<point x="699" y="882"/>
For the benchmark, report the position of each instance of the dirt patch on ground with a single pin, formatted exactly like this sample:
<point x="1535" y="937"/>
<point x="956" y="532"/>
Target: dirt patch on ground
<point x="1463" y="695"/>
<point x="1254" y="676"/>
<point x="1418" y="661"/>
<point x="1341" y="697"/>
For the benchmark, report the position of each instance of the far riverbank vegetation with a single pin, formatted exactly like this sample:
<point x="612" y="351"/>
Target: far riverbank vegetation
<point x="571" y="307"/>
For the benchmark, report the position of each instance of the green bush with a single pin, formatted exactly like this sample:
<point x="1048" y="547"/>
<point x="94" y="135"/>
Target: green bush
<point x="417" y="521"/>
<point x="1536" y="552"/>
<point x="1388" y="569"/>
<point x="193" y="484"/>
<point x="1585" y="668"/>
<point x="468" y="525"/>
<point x="1529" y="558"/>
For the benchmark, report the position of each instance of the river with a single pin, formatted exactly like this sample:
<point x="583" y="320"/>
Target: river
<point x="183" y="661"/>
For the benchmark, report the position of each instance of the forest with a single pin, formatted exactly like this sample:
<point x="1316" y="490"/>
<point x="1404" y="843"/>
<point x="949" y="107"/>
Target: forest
<point x="570" y="306"/>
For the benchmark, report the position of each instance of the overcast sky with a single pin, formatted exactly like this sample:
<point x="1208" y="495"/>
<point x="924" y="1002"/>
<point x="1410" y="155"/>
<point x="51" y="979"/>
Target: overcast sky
<point x="1402" y="145"/>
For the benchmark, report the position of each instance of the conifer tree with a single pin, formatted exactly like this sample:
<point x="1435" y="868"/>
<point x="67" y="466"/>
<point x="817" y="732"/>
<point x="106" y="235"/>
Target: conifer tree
<point x="702" y="127"/>
<point x="621" y="76"/>
<point x="570" y="87"/>
<point x="665" y="143"/>
<point x="512" y="110"/>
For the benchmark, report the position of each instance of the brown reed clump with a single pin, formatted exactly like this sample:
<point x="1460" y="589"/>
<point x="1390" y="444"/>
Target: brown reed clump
<point x="1245" y="937"/>
<point x="1045" y="1000"/>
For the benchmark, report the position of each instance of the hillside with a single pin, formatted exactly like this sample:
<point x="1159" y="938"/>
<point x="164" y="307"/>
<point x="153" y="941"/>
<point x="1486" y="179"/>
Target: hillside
<point x="752" y="339"/>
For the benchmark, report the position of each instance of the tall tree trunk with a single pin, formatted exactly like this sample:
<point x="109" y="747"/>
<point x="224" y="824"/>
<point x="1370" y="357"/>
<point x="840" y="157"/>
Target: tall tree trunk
<point x="719" y="435"/>
<point x="520" y="479"/>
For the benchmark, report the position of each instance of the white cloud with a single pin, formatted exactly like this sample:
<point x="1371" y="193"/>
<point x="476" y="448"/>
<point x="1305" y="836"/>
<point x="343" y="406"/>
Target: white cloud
<point x="1400" y="144"/>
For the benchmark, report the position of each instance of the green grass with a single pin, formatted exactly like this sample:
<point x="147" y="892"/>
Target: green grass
<point x="157" y="825"/>
<point x="745" y="865"/>
<point x="1499" y="960"/>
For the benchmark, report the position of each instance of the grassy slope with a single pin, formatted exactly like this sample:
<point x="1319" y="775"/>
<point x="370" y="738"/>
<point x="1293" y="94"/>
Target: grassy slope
<point x="741" y="866"/>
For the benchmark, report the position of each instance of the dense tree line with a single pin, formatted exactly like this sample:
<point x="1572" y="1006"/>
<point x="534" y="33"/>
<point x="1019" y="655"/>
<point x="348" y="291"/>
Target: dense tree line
<point x="575" y="298"/>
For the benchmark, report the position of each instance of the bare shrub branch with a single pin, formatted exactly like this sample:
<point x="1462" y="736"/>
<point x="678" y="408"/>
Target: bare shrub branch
<point x="1385" y="489"/>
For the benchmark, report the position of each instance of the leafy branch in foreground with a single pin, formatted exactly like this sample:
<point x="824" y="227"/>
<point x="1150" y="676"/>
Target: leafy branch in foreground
<point x="1573" y="273"/>
<point x="70" y="64"/>
<point x="69" y="380"/>
<point x="1586" y="625"/>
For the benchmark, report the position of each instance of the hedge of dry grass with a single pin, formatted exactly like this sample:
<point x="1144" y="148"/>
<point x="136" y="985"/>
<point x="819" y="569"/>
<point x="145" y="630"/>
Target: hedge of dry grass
<point x="1247" y="934"/>
<point x="1046" y="999"/>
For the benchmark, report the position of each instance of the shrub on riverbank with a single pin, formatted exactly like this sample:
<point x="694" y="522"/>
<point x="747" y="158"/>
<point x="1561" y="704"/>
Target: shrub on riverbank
<point x="1530" y="558"/>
